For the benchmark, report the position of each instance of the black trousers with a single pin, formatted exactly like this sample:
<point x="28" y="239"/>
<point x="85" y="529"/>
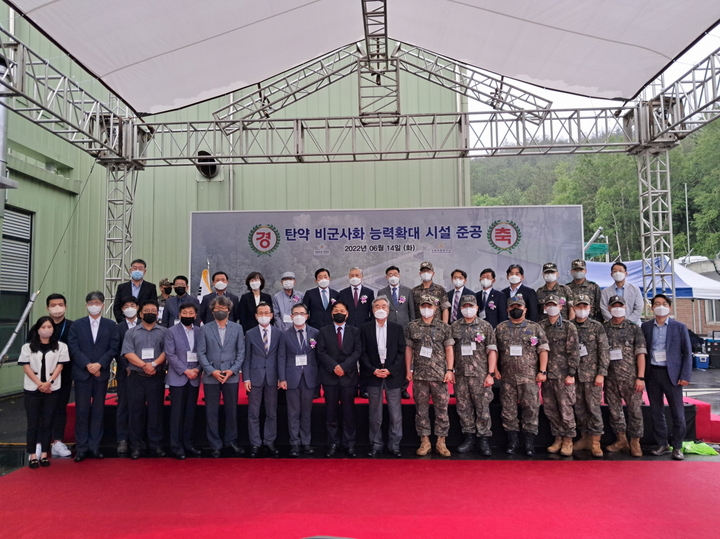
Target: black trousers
<point x="658" y="385"/>
<point x="121" y="414"/>
<point x="40" y="410"/>
<point x="60" y="419"/>
<point x="183" y="400"/>
<point x="89" y="412"/>
<point x="145" y="405"/>
<point x="340" y="400"/>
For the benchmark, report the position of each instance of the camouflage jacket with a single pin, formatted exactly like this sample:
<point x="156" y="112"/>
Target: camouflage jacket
<point x="628" y="338"/>
<point x="592" y="290"/>
<point x="592" y="336"/>
<point x="561" y="291"/>
<point x="436" y="336"/>
<point x="481" y="337"/>
<point x="531" y="337"/>
<point x="564" y="354"/>
<point x="436" y="291"/>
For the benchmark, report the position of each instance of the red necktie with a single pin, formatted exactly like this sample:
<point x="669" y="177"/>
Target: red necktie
<point x="355" y="296"/>
<point x="339" y="338"/>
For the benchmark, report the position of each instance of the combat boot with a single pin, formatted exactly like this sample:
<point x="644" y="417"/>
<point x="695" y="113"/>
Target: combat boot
<point x="441" y="448"/>
<point x="425" y="446"/>
<point x="468" y="445"/>
<point x="596" y="450"/>
<point x="512" y="436"/>
<point x="567" y="447"/>
<point x="529" y="444"/>
<point x="555" y="447"/>
<point x="621" y="444"/>
<point x="635" y="449"/>
<point x="484" y="448"/>
<point x="582" y="443"/>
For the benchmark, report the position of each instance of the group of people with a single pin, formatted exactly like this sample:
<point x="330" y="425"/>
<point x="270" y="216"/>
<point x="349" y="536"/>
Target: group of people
<point x="572" y="343"/>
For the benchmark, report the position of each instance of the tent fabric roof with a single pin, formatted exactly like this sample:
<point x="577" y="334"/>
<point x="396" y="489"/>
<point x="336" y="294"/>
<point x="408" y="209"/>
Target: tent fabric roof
<point x="166" y="54"/>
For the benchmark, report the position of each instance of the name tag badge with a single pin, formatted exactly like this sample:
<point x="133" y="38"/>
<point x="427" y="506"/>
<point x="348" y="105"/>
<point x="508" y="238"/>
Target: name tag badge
<point x="301" y="360"/>
<point x="660" y="356"/>
<point x="616" y="354"/>
<point x="473" y="345"/>
<point x="466" y="349"/>
<point x="148" y="354"/>
<point x="426" y="351"/>
<point x="287" y="319"/>
<point x="192" y="357"/>
<point x="583" y="350"/>
<point x="516" y="350"/>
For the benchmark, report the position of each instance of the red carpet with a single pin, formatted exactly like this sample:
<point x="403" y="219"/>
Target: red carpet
<point x="407" y="499"/>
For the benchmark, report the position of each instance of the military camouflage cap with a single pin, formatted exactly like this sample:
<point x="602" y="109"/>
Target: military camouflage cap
<point x="552" y="298"/>
<point x="516" y="300"/>
<point x="583" y="299"/>
<point x="428" y="299"/>
<point x="426" y="265"/>
<point x="578" y="264"/>
<point x="469" y="298"/>
<point x="550" y="266"/>
<point x="616" y="299"/>
<point x="165" y="282"/>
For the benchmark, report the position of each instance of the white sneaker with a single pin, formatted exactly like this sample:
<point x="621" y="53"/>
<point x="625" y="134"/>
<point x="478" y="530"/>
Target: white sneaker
<point x="38" y="451"/>
<point x="59" y="449"/>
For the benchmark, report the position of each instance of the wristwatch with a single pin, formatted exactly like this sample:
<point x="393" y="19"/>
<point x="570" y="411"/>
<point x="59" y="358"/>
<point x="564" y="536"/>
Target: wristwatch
<point x="492" y="374"/>
<point x="449" y="370"/>
<point x="153" y="365"/>
<point x="642" y="379"/>
<point x="544" y="373"/>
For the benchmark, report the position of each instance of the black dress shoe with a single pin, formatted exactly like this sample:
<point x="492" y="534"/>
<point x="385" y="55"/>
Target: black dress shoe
<point x="255" y="451"/>
<point x="44" y="462"/>
<point x="34" y="463"/>
<point x="405" y="394"/>
<point x="351" y="452"/>
<point x="236" y="449"/>
<point x="80" y="456"/>
<point x="180" y="455"/>
<point x="308" y="450"/>
<point x="135" y="454"/>
<point x="272" y="450"/>
<point x="374" y="453"/>
<point x="295" y="451"/>
<point x="396" y="453"/>
<point x="215" y="453"/>
<point x="194" y="451"/>
<point x="159" y="452"/>
<point x="97" y="455"/>
<point x="332" y="451"/>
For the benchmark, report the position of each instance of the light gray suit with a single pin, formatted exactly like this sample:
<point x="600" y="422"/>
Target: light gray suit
<point x="400" y="313"/>
<point x="261" y="369"/>
<point x="223" y="356"/>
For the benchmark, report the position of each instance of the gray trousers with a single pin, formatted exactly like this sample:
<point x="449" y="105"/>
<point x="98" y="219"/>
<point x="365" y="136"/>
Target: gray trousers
<point x="393" y="396"/>
<point x="299" y="410"/>
<point x="212" y="412"/>
<point x="257" y="395"/>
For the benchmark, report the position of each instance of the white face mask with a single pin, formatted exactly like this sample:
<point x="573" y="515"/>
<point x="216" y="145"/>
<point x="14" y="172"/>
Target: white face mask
<point x="220" y="285"/>
<point x="619" y="276"/>
<point x="618" y="312"/>
<point x="582" y="314"/>
<point x="94" y="309"/>
<point x="458" y="283"/>
<point x="324" y="283"/>
<point x="299" y="320"/>
<point x="514" y="279"/>
<point x="45" y="333"/>
<point x="578" y="275"/>
<point x="469" y="312"/>
<point x="426" y="276"/>
<point x="381" y="314"/>
<point x="355" y="281"/>
<point x="255" y="285"/>
<point x="427" y="313"/>
<point x="550" y="277"/>
<point x="661" y="310"/>
<point x="130" y="312"/>
<point x="486" y="283"/>
<point x="264" y="320"/>
<point x="57" y="310"/>
<point x="393" y="280"/>
<point x="288" y="284"/>
<point x="552" y="310"/>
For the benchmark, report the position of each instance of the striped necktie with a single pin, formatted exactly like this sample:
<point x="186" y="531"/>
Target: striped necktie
<point x="265" y="340"/>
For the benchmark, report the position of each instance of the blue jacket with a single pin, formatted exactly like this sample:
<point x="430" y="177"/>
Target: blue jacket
<point x="677" y="346"/>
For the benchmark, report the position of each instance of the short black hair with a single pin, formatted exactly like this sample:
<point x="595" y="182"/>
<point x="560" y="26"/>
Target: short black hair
<point x="488" y="270"/>
<point x="255" y="275"/>
<point x="461" y="272"/>
<point x="182" y="278"/>
<point x="220" y="273"/>
<point x="299" y="305"/>
<point x="263" y="304"/>
<point x="339" y="303"/>
<point x="139" y="261"/>
<point x="517" y="267"/>
<point x="149" y="302"/>
<point x="129" y="299"/>
<point x="391" y="268"/>
<point x="320" y="270"/>
<point x="54" y="296"/>
<point x="95" y="295"/>
<point x="187" y="305"/>
<point x="618" y="264"/>
<point x="663" y="296"/>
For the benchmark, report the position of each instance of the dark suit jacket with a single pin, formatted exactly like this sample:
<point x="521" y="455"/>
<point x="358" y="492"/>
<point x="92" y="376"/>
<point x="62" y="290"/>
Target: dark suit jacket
<point x="147" y="291"/>
<point x="84" y="351"/>
<point x="319" y="317"/>
<point x="329" y="356"/>
<point x="531" y="301"/>
<point x="205" y="315"/>
<point x="357" y="316"/>
<point x="677" y="345"/>
<point x="451" y="297"/>
<point x="172" y="309"/>
<point x="245" y="310"/>
<point x="395" y="360"/>
<point x="261" y="368"/>
<point x="493" y="316"/>
<point x="289" y="348"/>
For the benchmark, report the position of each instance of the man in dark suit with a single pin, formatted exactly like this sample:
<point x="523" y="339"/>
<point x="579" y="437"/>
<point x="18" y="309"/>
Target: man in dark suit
<point x="516" y="275"/>
<point x="137" y="286"/>
<point x="93" y="343"/>
<point x="298" y="374"/>
<point x="260" y="375"/>
<point x="358" y="299"/>
<point x="402" y="304"/>
<point x="220" y="283"/>
<point x="459" y="280"/>
<point x="129" y="309"/>
<point x="492" y="303"/>
<point x="339" y="349"/>
<point x="668" y="343"/>
<point x="320" y="300"/>
<point x="383" y="360"/>
<point x="171" y="314"/>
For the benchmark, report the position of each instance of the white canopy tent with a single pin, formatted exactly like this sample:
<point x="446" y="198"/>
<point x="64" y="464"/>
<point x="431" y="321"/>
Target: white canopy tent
<point x="164" y="54"/>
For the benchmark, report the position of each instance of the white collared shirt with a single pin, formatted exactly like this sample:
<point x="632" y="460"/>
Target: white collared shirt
<point x="190" y="334"/>
<point x="94" y="326"/>
<point x="381" y="336"/>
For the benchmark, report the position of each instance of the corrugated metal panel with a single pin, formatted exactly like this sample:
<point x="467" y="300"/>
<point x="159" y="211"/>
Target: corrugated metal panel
<point x="15" y="266"/>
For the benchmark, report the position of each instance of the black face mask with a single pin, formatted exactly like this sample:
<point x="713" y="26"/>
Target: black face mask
<point x="339" y="318"/>
<point x="180" y="290"/>
<point x="149" y="318"/>
<point x="168" y="291"/>
<point x="187" y="320"/>
<point x="516" y="313"/>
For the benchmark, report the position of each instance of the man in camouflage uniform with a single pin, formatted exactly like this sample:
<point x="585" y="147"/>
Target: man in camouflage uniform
<point x="559" y="390"/>
<point x="626" y="378"/>
<point x="522" y="348"/>
<point x="429" y="288"/>
<point x="551" y="286"/>
<point x="580" y="285"/>
<point x="429" y="363"/>
<point x="475" y="363"/>
<point x="593" y="368"/>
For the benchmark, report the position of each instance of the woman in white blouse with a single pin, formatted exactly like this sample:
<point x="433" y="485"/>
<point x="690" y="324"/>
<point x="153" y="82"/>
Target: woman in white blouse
<point x="42" y="359"/>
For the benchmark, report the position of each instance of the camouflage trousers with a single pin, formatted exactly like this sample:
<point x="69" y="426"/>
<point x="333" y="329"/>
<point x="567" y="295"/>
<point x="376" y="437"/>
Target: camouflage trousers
<point x="617" y="390"/>
<point x="421" y="394"/>
<point x="473" y="405"/>
<point x="558" y="402"/>
<point x="587" y="408"/>
<point x="528" y="396"/>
